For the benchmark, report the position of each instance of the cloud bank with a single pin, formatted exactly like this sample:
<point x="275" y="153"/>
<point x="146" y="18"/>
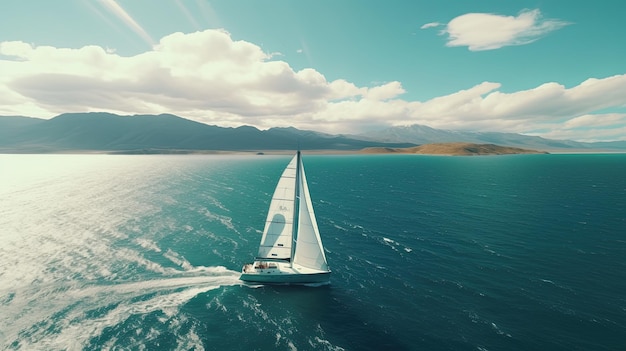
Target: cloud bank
<point x="486" y="31"/>
<point x="209" y="77"/>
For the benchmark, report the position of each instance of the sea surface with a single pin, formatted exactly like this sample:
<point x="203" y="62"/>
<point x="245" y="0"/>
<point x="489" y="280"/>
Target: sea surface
<point x="522" y="252"/>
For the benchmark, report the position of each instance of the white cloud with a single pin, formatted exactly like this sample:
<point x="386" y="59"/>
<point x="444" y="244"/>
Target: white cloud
<point x="597" y="121"/>
<point x="385" y="92"/>
<point x="550" y="107"/>
<point x="590" y="128"/>
<point x="485" y="31"/>
<point x="209" y="77"/>
<point x="431" y="25"/>
<point x="182" y="74"/>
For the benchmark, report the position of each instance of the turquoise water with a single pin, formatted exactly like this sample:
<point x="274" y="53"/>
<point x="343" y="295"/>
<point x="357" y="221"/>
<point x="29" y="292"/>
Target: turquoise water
<point x="524" y="252"/>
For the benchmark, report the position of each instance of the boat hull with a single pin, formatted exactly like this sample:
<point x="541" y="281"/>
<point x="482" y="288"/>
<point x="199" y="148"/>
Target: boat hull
<point x="310" y="278"/>
<point x="284" y="274"/>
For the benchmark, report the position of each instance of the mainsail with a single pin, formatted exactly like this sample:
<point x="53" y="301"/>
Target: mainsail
<point x="278" y="231"/>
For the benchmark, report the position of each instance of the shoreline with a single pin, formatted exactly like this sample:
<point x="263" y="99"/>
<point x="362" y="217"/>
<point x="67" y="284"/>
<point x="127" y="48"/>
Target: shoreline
<point x="289" y="152"/>
<point x="433" y="149"/>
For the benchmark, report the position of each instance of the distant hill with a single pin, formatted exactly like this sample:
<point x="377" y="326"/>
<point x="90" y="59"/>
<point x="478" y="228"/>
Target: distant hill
<point x="455" y="149"/>
<point x="166" y="133"/>
<point x="156" y="133"/>
<point x="419" y="134"/>
<point x="10" y="125"/>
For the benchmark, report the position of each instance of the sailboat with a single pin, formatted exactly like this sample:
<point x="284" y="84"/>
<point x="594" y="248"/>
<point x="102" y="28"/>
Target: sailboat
<point x="291" y="250"/>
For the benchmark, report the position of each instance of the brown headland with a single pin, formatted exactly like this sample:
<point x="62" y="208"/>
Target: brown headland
<point x="453" y="149"/>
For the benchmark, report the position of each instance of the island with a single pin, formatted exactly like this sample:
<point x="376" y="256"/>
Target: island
<point x="453" y="149"/>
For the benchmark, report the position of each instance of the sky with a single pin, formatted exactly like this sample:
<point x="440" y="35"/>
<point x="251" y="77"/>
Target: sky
<point x="551" y="68"/>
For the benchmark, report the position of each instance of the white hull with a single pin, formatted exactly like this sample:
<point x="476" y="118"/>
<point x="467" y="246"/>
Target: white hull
<point x="282" y="273"/>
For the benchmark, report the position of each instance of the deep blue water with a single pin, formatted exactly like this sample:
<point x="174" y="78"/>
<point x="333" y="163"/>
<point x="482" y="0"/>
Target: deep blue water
<point x="524" y="252"/>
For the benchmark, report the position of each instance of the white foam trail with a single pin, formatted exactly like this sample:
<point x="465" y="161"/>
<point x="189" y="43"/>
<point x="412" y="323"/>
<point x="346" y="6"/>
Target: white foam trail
<point x="65" y="308"/>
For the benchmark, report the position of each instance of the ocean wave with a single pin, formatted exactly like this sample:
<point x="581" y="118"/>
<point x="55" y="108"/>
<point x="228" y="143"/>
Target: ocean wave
<point x="224" y="220"/>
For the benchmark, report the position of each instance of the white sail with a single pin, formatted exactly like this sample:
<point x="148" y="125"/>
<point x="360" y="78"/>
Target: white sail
<point x="309" y="251"/>
<point x="278" y="231"/>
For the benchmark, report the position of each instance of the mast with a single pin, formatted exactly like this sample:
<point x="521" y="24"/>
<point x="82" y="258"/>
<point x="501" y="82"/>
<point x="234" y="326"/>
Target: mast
<point x="296" y="209"/>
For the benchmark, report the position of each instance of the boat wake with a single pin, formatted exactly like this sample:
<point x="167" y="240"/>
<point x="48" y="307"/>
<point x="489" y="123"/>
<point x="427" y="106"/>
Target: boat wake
<point x="69" y="315"/>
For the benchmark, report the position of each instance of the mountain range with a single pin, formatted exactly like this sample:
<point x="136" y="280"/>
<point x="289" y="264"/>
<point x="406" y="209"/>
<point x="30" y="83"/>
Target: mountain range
<point x="99" y="131"/>
<point x="157" y="133"/>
